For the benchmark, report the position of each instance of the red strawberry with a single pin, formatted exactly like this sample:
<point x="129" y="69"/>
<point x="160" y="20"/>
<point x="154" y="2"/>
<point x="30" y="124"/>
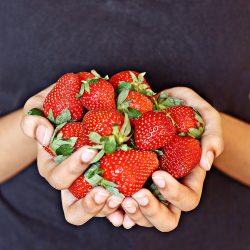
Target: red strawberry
<point x="153" y="130"/>
<point x="61" y="104"/>
<point x="180" y="156"/>
<point x="131" y="80"/>
<point x="80" y="187"/>
<point x="91" y="178"/>
<point x="102" y="121"/>
<point x="134" y="104"/>
<point x="187" y="120"/>
<point x="129" y="169"/>
<point x="96" y="92"/>
<point x="67" y="139"/>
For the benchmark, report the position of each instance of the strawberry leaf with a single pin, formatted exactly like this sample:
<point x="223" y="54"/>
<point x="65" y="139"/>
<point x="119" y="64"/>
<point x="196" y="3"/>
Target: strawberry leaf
<point x="141" y="77"/>
<point x="124" y="147"/>
<point x="65" y="116"/>
<point x="133" y="76"/>
<point x="98" y="156"/>
<point x="124" y="86"/>
<point x="122" y="96"/>
<point x="56" y="130"/>
<point x="51" y="116"/>
<point x="35" y="111"/>
<point x="60" y="158"/>
<point x="95" y="137"/>
<point x="133" y="113"/>
<point x="110" y="145"/>
<point x="194" y="132"/>
<point x="92" y="81"/>
<point x="65" y="149"/>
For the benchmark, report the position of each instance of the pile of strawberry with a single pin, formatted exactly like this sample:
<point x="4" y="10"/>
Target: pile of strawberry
<point x="135" y="131"/>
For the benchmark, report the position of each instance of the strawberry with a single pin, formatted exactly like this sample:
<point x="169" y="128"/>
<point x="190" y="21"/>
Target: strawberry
<point x="84" y="183"/>
<point x="96" y="92"/>
<point x="67" y="139"/>
<point x="133" y="103"/>
<point x="153" y="130"/>
<point x="131" y="80"/>
<point x="180" y="156"/>
<point x="61" y="104"/>
<point x="128" y="170"/>
<point x="107" y="130"/>
<point x="80" y="187"/>
<point x="188" y="121"/>
<point x="102" y="121"/>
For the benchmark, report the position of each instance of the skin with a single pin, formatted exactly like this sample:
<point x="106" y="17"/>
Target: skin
<point x="235" y="160"/>
<point x="142" y="209"/>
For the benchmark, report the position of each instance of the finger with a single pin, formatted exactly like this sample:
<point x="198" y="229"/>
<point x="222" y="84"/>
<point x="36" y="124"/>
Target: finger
<point x="134" y="214"/>
<point x="190" y="97"/>
<point x="116" y="218"/>
<point x="38" y="128"/>
<point x="111" y="206"/>
<point x="63" y="175"/>
<point x="212" y="140"/>
<point x="78" y="212"/>
<point x="164" y="218"/>
<point x="128" y="222"/>
<point x="186" y="195"/>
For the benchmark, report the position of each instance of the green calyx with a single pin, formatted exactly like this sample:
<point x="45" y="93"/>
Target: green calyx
<point x="200" y="126"/>
<point x="94" y="177"/>
<point x="123" y="106"/>
<point x="65" y="116"/>
<point x="164" y="101"/>
<point x="109" y="144"/>
<point x="85" y="87"/>
<point x="136" y="85"/>
<point x="35" y="111"/>
<point x="63" y="148"/>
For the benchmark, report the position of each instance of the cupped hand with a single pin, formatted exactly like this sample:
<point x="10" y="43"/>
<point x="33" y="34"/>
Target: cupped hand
<point x="143" y="208"/>
<point x="98" y="202"/>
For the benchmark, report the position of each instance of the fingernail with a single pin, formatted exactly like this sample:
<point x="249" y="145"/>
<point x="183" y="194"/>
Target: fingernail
<point x="142" y="200"/>
<point x="41" y="135"/>
<point x="100" y="197"/>
<point x="130" y="208"/>
<point x="209" y="159"/>
<point x="113" y="203"/>
<point x="159" y="181"/>
<point x="88" y="155"/>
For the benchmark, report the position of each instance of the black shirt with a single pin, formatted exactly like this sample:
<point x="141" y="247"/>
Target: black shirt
<point x="204" y="45"/>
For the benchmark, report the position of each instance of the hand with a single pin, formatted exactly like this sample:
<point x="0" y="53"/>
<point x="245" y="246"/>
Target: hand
<point x="98" y="202"/>
<point x="143" y="208"/>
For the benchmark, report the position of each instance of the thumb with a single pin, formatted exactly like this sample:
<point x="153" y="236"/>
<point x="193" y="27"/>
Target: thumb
<point x="38" y="128"/>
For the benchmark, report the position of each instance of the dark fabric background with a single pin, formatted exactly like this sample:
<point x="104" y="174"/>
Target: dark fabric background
<point x="201" y="44"/>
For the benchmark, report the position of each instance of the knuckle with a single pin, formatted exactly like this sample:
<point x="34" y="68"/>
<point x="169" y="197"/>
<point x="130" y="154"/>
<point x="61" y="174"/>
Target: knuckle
<point x="88" y="205"/>
<point x="55" y="182"/>
<point x="71" y="220"/>
<point x="171" y="226"/>
<point x="74" y="168"/>
<point x="193" y="205"/>
<point x="174" y="194"/>
<point x="218" y="144"/>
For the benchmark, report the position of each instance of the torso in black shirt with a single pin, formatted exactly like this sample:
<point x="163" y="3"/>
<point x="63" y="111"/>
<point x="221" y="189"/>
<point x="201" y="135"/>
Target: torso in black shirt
<point x="201" y="44"/>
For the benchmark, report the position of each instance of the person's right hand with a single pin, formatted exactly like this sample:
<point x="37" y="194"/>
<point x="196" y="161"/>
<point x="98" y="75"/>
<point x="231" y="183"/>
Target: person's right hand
<point x="98" y="202"/>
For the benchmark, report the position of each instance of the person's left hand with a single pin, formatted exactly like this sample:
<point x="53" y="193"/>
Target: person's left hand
<point x="144" y="209"/>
